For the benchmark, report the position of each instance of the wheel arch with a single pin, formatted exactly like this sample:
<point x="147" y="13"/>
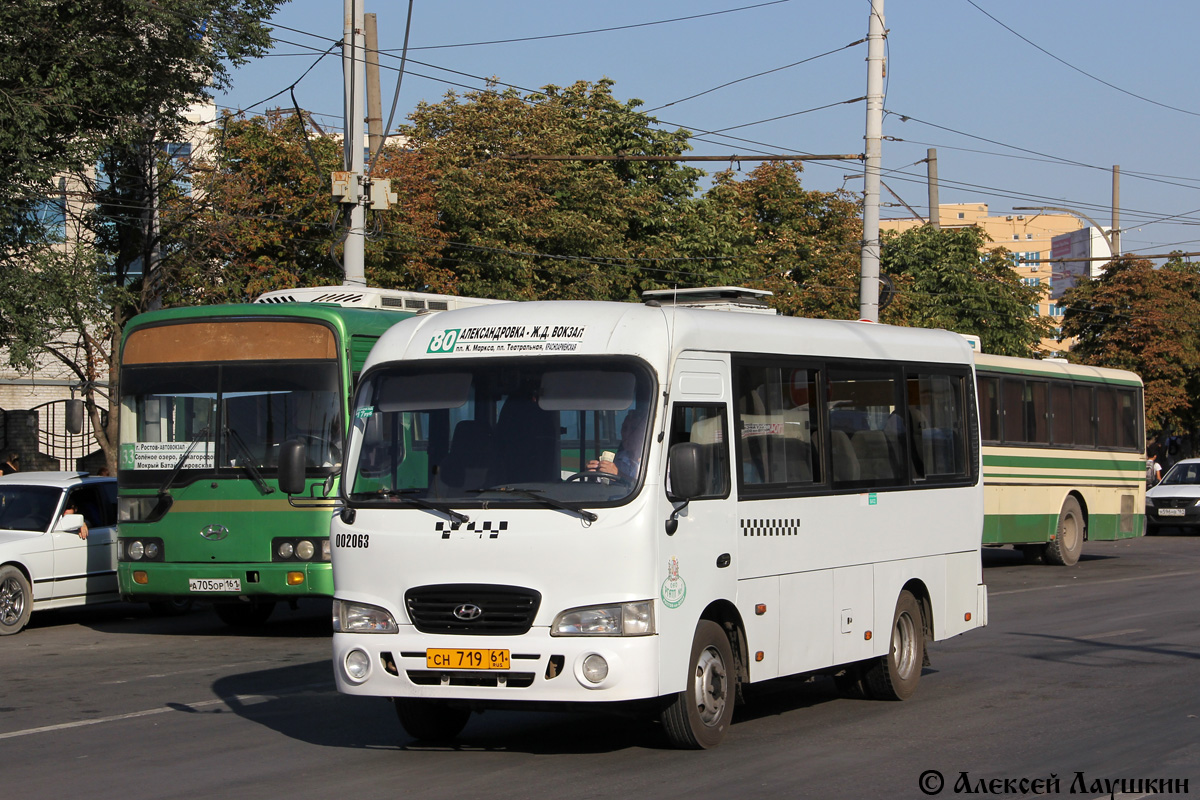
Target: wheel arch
<point x="725" y="614"/>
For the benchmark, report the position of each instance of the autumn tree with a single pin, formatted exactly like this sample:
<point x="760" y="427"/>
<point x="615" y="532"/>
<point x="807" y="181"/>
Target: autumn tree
<point x="261" y="217"/>
<point x="948" y="279"/>
<point x="1146" y="320"/>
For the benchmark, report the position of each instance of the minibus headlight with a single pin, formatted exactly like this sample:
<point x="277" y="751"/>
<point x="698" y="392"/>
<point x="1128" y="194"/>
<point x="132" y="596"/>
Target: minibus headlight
<point x="619" y="619"/>
<point x="350" y="617"/>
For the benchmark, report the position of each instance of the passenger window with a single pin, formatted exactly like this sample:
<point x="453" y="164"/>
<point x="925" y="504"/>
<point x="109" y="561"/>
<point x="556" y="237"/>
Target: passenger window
<point x="776" y="447"/>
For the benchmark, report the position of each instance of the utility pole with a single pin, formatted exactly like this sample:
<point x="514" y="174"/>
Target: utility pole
<point x="868" y="294"/>
<point x="1115" y="238"/>
<point x="935" y="210"/>
<point x="374" y="105"/>
<point x="353" y="61"/>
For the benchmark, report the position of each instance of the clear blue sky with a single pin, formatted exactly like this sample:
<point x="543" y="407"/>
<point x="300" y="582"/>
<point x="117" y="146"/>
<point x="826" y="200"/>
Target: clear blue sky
<point x="1030" y="106"/>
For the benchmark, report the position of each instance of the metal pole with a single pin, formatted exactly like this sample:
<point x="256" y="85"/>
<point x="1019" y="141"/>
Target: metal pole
<point x="353" y="50"/>
<point x="935" y="209"/>
<point x="868" y="295"/>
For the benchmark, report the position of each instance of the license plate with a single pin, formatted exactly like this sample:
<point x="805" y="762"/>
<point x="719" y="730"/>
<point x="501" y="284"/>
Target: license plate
<point x="443" y="658"/>
<point x="214" y="585"/>
<point x="1171" y="512"/>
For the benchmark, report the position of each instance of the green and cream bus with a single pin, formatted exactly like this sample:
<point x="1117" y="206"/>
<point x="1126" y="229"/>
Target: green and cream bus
<point x="1063" y="455"/>
<point x="208" y="394"/>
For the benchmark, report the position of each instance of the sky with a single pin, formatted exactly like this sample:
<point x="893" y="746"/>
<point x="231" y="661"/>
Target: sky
<point x="1027" y="102"/>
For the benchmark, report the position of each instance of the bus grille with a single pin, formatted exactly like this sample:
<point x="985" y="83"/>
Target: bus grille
<point x="472" y="609"/>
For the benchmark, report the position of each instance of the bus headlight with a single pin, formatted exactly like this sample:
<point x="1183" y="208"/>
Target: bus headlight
<point x="350" y="617"/>
<point x="620" y="619"/>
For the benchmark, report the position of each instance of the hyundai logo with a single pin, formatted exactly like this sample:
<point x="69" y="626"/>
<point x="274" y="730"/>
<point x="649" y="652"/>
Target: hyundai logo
<point x="214" y="533"/>
<point x="468" y="612"/>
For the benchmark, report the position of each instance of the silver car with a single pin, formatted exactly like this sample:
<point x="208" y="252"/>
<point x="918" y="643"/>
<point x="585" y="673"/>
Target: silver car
<point x="1175" y="501"/>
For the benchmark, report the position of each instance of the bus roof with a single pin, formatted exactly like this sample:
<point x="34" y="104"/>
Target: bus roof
<point x="655" y="333"/>
<point x="1047" y="368"/>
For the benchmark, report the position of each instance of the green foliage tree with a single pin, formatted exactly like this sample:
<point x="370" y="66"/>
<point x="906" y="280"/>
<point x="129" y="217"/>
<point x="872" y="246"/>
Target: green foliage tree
<point x="771" y="233"/>
<point x="946" y="279"/>
<point x="93" y="89"/>
<point x="1146" y="320"/>
<point x="523" y="229"/>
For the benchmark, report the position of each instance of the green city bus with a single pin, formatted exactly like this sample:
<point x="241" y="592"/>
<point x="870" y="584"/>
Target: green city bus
<point x="1063" y="455"/>
<point x="207" y="396"/>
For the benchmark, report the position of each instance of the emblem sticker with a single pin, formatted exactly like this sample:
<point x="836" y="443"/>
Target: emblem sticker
<point x="674" y="590"/>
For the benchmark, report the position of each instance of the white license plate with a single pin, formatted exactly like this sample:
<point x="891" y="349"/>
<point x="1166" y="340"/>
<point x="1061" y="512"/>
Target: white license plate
<point x="1171" y="512"/>
<point x="214" y="585"/>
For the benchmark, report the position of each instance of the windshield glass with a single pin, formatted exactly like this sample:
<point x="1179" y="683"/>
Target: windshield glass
<point x="488" y="431"/>
<point x="28" y="508"/>
<point x="232" y="416"/>
<point x="1183" y="474"/>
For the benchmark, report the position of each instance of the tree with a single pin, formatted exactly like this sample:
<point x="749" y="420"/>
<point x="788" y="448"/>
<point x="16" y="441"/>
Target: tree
<point x="946" y="279"/>
<point x="1146" y="320"/>
<point x="770" y="233"/>
<point x="96" y="89"/>
<point x="555" y="229"/>
<point x="261" y="217"/>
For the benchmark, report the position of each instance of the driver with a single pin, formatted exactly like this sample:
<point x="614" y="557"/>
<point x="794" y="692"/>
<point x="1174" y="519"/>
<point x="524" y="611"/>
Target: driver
<point x="628" y="461"/>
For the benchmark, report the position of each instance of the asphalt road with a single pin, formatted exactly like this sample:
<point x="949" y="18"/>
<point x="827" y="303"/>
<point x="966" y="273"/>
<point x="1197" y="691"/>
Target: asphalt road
<point x="1089" y="670"/>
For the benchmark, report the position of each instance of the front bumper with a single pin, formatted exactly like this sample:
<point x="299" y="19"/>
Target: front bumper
<point x="543" y="669"/>
<point x="255" y="579"/>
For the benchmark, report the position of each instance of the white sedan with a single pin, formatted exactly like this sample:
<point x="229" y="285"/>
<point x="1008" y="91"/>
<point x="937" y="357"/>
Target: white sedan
<point x="44" y="560"/>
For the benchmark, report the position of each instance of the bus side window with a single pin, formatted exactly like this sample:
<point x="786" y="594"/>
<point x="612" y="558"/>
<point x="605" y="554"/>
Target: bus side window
<point x="704" y="425"/>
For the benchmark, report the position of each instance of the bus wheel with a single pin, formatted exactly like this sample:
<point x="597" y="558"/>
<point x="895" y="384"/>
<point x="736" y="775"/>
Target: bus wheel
<point x="431" y="720"/>
<point x="895" y="676"/>
<point x="698" y="716"/>
<point x="1068" y="536"/>
<point x="244" y="615"/>
<point x="16" y="600"/>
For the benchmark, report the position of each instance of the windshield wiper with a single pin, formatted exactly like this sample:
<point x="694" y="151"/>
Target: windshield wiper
<point x="405" y="495"/>
<point x="536" y="494"/>
<point x="251" y="470"/>
<point x="203" y="432"/>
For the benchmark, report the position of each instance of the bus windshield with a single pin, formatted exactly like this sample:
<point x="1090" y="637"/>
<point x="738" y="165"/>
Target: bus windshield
<point x="499" y="430"/>
<point x="228" y="417"/>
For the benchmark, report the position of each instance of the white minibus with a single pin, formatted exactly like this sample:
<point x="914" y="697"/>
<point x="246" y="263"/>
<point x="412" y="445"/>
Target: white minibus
<point x="649" y="506"/>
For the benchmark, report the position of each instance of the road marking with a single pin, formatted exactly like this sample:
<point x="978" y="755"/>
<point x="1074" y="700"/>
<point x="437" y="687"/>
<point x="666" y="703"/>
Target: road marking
<point x="1159" y="576"/>
<point x="240" y="699"/>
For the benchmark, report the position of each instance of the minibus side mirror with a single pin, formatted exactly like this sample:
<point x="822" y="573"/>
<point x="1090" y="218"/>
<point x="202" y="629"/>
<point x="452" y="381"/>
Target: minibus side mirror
<point x="292" y="464"/>
<point x="686" y="468"/>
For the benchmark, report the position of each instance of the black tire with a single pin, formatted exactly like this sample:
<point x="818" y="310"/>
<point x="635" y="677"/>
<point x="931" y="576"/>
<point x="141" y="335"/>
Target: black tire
<point x="244" y="615"/>
<point x="431" y="720"/>
<point x="16" y="600"/>
<point x="895" y="676"/>
<point x="1067" y="544"/>
<point x="698" y="717"/>
<point x="175" y="607"/>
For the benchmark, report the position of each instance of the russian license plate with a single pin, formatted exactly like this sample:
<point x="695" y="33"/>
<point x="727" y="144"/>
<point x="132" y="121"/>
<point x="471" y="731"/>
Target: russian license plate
<point x="1171" y="512"/>
<point x="214" y="585"/>
<point x="443" y="658"/>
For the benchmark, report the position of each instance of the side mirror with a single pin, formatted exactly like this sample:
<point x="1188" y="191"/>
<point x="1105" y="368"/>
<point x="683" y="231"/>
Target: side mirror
<point x="74" y="416"/>
<point x="292" y="466"/>
<point x="687" y="470"/>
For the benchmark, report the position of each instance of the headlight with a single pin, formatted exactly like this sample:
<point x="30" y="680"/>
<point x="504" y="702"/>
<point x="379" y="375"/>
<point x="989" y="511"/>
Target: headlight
<point x="351" y="617"/>
<point x="620" y="619"/>
<point x="143" y="508"/>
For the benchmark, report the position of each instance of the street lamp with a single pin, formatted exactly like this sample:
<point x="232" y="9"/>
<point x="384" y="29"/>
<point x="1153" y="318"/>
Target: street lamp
<point x="1110" y="236"/>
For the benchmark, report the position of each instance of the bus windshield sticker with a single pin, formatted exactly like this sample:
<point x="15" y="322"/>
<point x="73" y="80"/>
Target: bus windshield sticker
<point x="674" y="590"/>
<point x="508" y="339"/>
